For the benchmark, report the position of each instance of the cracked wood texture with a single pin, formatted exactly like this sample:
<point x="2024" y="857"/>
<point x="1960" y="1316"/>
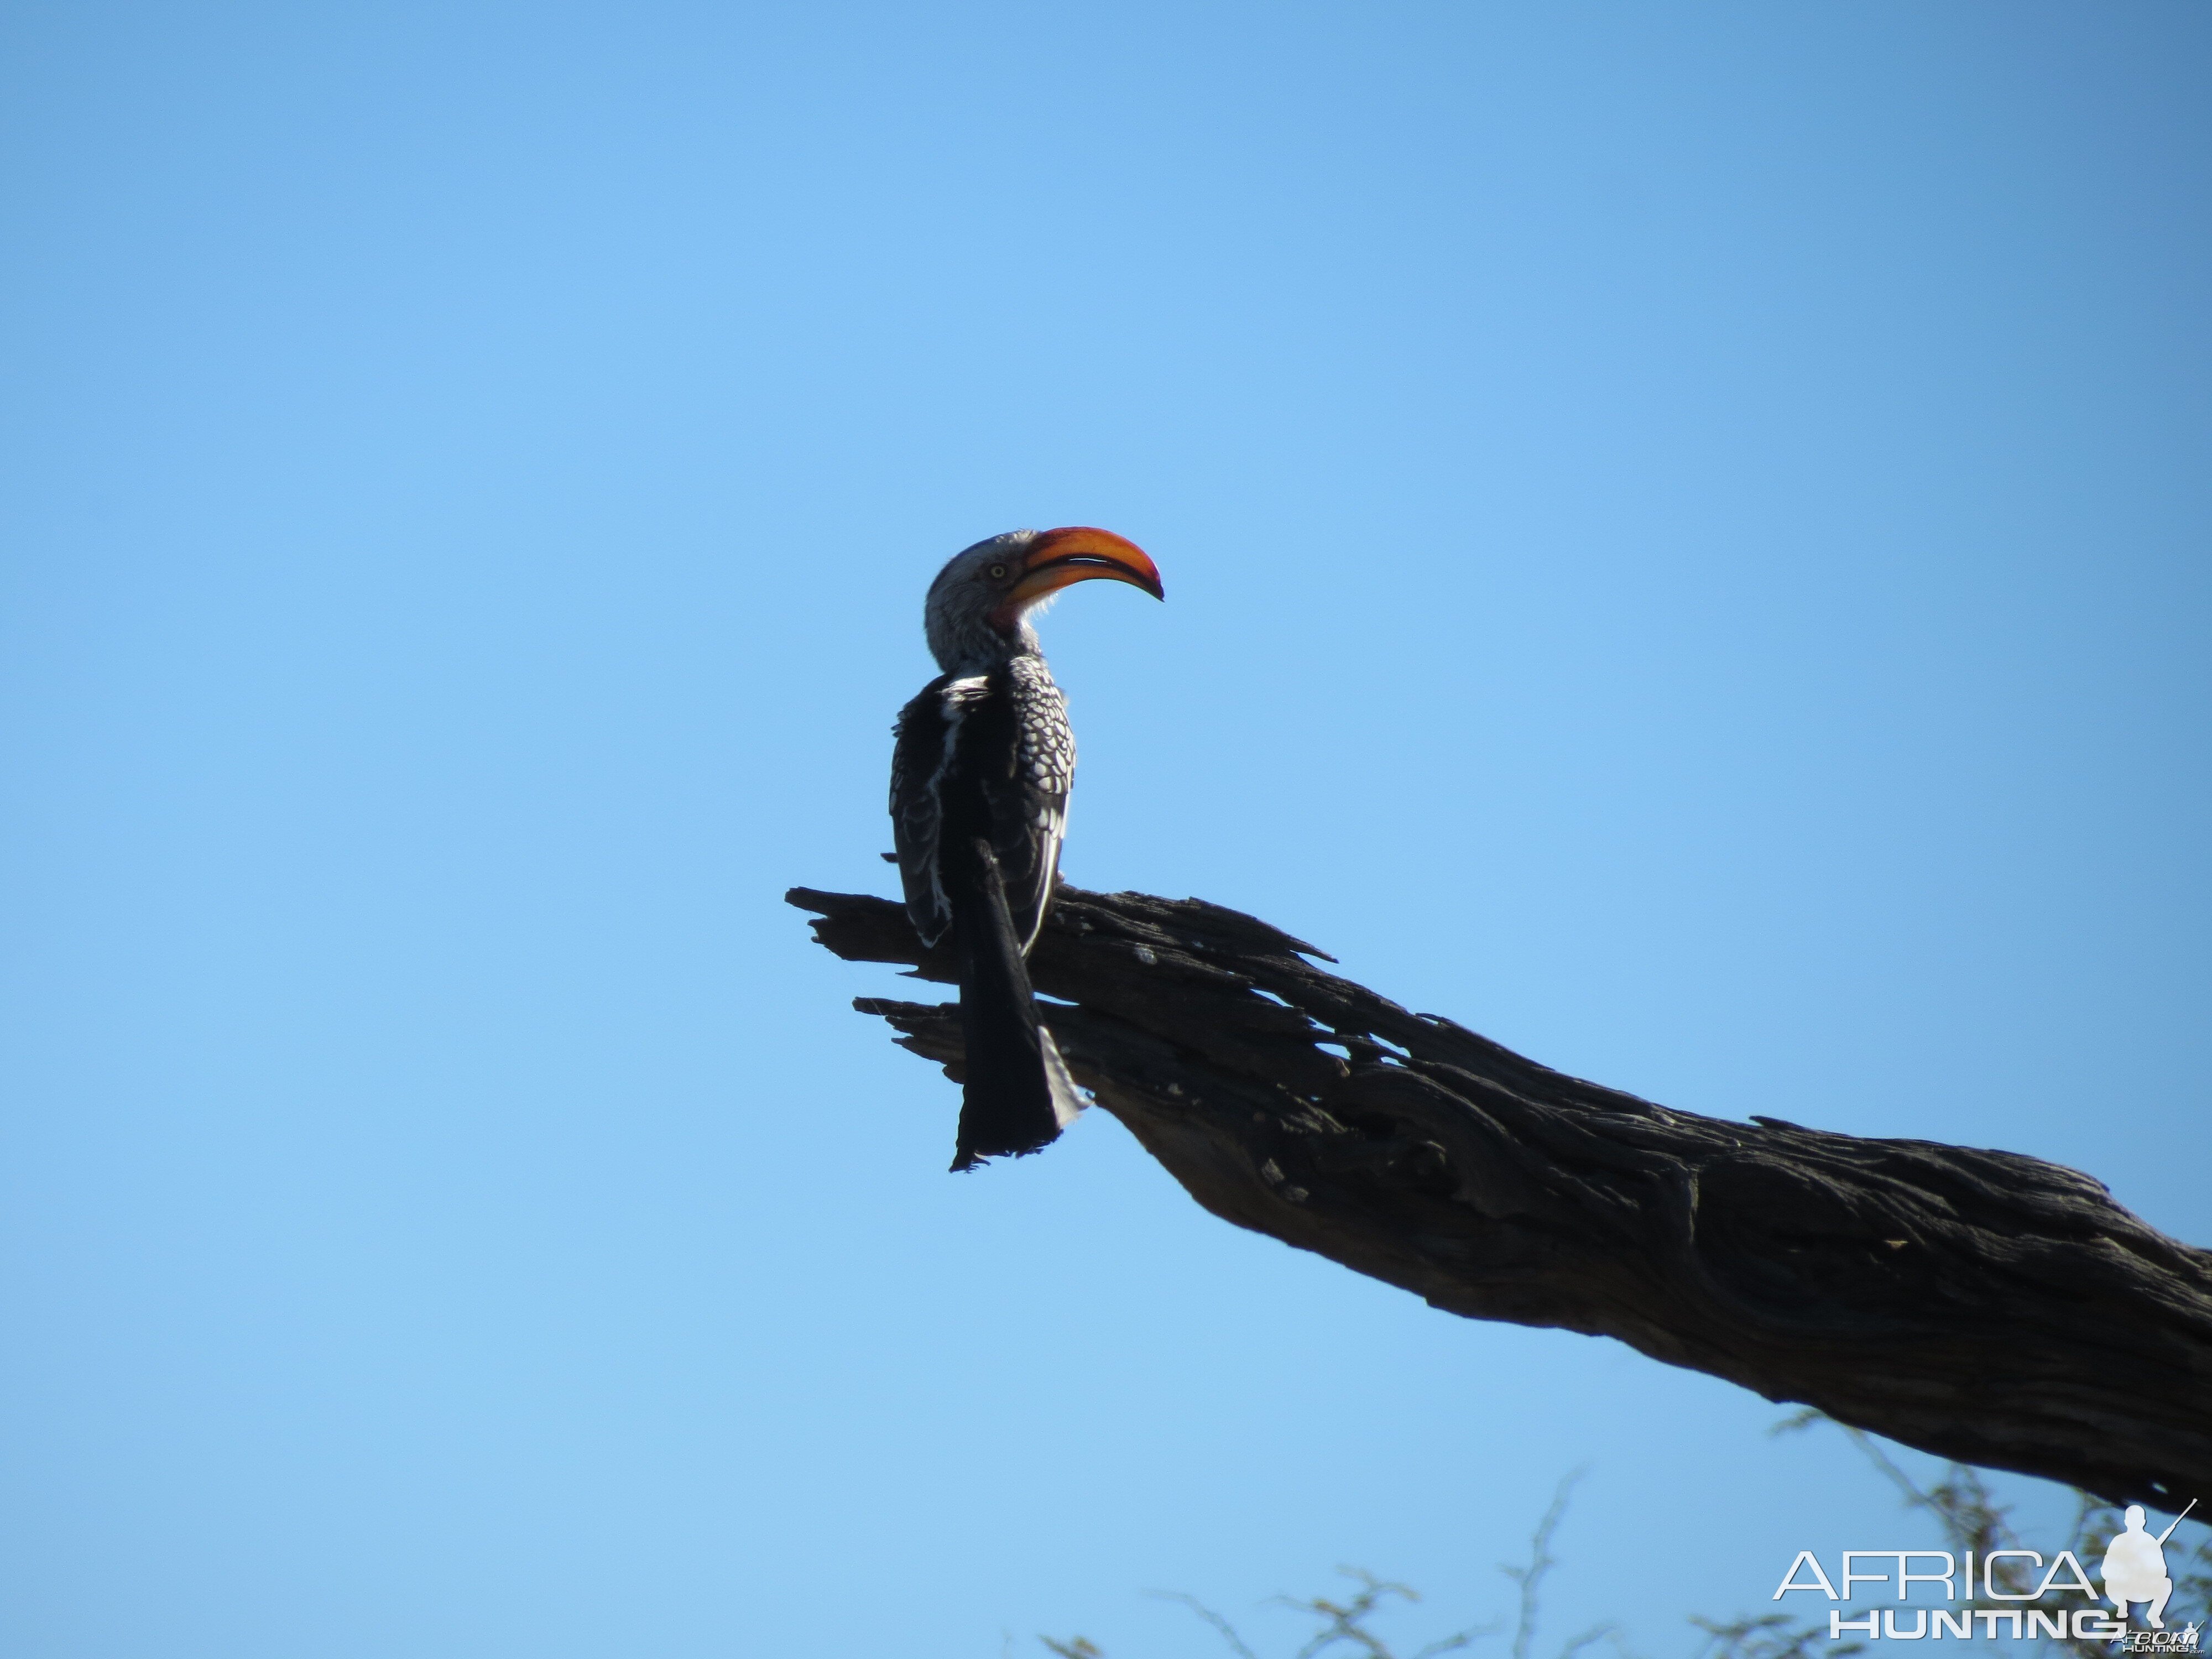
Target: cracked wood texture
<point x="1980" y="1305"/>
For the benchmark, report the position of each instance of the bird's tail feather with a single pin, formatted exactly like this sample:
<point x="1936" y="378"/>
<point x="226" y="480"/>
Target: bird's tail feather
<point x="1019" y="1096"/>
<point x="1065" y="1102"/>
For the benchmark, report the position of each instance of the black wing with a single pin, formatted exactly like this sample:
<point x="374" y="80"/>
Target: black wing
<point x="924" y="741"/>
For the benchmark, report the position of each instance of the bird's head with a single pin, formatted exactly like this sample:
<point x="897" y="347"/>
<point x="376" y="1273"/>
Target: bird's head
<point x="978" y="607"/>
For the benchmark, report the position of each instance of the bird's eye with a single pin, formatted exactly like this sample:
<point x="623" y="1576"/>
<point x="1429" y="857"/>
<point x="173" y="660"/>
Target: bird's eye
<point x="997" y="573"/>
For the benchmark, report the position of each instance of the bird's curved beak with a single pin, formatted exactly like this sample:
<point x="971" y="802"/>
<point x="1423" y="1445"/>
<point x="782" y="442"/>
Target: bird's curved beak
<point x="1079" y="554"/>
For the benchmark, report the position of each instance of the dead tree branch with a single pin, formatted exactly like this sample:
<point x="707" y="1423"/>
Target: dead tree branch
<point x="1980" y="1305"/>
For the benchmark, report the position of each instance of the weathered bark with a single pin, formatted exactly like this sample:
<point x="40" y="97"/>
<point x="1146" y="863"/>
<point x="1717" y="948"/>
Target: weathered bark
<point x="1981" y="1305"/>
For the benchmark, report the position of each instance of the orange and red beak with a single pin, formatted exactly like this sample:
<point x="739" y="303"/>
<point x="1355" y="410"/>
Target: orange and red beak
<point x="1058" y="558"/>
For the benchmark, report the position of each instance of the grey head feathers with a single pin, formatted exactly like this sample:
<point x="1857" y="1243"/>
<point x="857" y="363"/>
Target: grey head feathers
<point x="975" y="583"/>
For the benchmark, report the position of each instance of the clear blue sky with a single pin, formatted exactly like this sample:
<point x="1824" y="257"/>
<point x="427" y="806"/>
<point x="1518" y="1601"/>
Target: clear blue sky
<point x="1687" y="538"/>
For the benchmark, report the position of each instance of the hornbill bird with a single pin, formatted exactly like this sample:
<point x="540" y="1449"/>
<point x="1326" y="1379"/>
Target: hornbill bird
<point x="981" y="773"/>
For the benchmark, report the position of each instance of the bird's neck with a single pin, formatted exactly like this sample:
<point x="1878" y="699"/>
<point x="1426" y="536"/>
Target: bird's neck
<point x="983" y="648"/>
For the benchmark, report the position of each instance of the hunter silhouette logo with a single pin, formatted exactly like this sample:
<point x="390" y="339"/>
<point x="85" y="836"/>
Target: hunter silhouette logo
<point x="2134" y="1571"/>
<point x="2134" y="1567"/>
